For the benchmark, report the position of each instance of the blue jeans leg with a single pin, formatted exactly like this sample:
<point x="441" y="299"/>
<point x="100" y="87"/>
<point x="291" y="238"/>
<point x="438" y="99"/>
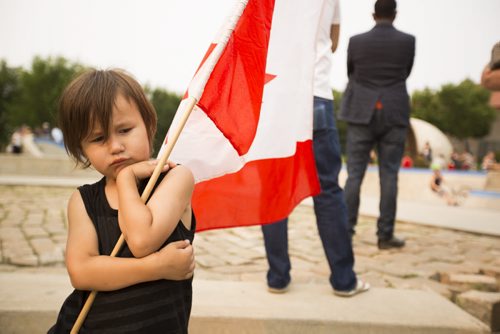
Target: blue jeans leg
<point x="329" y="205"/>
<point x="390" y="150"/>
<point x="276" y="244"/>
<point x="360" y="141"/>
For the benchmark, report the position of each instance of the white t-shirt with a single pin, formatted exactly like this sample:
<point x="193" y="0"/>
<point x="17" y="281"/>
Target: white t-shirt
<point x="330" y="15"/>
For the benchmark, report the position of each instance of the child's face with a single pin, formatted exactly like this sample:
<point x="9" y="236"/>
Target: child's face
<point x="127" y="141"/>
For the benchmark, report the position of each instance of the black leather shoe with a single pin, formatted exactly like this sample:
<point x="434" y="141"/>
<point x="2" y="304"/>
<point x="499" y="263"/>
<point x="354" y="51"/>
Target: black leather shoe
<point x="393" y="242"/>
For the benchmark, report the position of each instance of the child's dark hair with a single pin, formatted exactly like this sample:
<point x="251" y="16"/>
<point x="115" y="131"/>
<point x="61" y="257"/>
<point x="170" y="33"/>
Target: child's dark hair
<point x="89" y="100"/>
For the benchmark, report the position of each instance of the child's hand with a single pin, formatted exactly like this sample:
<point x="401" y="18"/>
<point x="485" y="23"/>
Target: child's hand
<point x="144" y="169"/>
<point x="176" y="260"/>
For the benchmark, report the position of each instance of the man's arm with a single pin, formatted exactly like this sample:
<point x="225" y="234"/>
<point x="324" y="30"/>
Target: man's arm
<point x="410" y="64"/>
<point x="334" y="36"/>
<point x="350" y="63"/>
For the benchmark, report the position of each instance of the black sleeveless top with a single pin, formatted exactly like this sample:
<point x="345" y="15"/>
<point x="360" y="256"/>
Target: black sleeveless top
<point x="162" y="306"/>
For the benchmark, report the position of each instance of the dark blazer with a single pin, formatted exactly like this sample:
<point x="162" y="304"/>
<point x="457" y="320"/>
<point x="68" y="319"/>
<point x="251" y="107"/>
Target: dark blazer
<point x="378" y="64"/>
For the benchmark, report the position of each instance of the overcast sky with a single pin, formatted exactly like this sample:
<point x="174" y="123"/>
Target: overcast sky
<point x="161" y="42"/>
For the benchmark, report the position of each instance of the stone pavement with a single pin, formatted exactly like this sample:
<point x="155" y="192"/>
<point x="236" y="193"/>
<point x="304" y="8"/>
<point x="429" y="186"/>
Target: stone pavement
<point x="448" y="262"/>
<point x="33" y="234"/>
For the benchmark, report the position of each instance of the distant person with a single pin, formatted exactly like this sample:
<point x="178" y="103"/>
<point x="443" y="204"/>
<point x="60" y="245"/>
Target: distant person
<point x="16" y="142"/>
<point x="329" y="205"/>
<point x="427" y="153"/>
<point x="468" y="161"/>
<point x="373" y="158"/>
<point x="29" y="145"/>
<point x="438" y="185"/>
<point x="108" y="123"/>
<point x="376" y="107"/>
<point x="455" y="162"/>
<point x="45" y="132"/>
<point x="490" y="77"/>
<point x="57" y="135"/>
<point x="489" y="162"/>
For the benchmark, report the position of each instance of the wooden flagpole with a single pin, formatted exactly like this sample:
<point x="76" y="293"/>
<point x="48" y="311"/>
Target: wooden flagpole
<point x="191" y="102"/>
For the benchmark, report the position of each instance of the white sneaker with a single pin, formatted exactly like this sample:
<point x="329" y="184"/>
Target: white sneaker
<point x="361" y="286"/>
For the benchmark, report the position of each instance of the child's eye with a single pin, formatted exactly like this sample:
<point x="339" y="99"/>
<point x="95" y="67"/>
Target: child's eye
<point x="125" y="130"/>
<point x="97" y="139"/>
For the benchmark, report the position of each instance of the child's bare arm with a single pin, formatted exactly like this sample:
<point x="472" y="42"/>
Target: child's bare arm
<point x="90" y="271"/>
<point x="146" y="227"/>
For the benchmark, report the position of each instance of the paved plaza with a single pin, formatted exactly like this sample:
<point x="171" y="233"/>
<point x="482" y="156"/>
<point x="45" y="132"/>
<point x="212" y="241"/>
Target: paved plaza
<point x="33" y="237"/>
<point x="411" y="287"/>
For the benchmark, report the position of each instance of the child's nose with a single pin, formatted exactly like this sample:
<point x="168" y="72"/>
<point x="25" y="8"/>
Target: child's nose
<point x="115" y="145"/>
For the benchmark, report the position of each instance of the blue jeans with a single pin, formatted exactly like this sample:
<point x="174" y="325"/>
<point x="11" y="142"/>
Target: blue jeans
<point x="390" y="142"/>
<point x="329" y="207"/>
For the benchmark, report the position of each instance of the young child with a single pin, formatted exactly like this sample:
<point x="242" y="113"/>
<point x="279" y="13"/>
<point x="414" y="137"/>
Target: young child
<point x="109" y="124"/>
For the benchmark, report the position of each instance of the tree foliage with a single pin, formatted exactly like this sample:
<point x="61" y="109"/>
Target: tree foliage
<point x="166" y="104"/>
<point x="39" y="91"/>
<point x="9" y="89"/>
<point x="459" y="110"/>
<point x="31" y="96"/>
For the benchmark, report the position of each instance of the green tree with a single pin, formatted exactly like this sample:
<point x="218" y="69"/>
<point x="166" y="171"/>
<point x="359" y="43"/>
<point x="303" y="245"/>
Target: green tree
<point x="467" y="111"/>
<point x="166" y="104"/>
<point x="426" y="106"/>
<point x="40" y="88"/>
<point x="459" y="110"/>
<point x="9" y="89"/>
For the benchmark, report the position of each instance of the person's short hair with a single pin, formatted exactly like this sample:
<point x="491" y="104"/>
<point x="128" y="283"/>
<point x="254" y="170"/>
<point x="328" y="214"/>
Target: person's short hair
<point x="385" y="8"/>
<point x="89" y="99"/>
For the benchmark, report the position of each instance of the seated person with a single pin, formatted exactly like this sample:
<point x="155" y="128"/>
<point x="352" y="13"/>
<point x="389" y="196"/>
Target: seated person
<point x="489" y="162"/>
<point x="437" y="185"/>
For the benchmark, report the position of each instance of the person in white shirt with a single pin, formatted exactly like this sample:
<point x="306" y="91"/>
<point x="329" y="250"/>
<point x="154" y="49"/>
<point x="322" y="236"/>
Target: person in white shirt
<point x="329" y="205"/>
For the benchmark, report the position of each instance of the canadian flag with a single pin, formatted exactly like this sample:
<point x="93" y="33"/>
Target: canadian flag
<point x="248" y="141"/>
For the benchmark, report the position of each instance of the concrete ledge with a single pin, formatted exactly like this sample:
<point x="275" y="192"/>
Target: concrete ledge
<point x="48" y="181"/>
<point x="57" y="166"/>
<point x="30" y="301"/>
<point x="472" y="220"/>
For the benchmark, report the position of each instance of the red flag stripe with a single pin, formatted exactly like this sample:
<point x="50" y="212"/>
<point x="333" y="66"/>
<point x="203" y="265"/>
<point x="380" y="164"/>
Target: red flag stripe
<point x="233" y="95"/>
<point x="218" y="203"/>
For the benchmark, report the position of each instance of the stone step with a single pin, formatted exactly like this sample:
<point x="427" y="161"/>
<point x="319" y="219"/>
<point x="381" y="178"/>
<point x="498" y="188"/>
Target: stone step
<point x="48" y="166"/>
<point x="30" y="301"/>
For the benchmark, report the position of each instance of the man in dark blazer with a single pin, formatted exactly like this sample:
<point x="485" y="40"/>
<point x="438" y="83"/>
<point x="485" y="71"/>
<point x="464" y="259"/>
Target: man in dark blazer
<point x="376" y="106"/>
